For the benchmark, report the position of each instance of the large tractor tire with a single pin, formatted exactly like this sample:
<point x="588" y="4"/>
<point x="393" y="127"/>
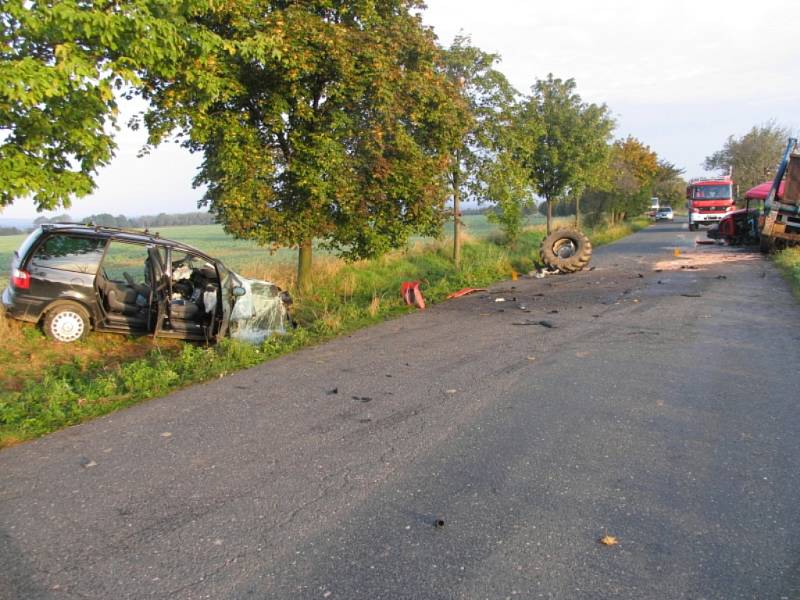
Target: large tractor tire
<point x="567" y="250"/>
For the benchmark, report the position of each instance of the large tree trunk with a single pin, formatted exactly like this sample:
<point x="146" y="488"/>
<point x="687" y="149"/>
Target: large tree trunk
<point x="456" y="225"/>
<point x="304" y="266"/>
<point x="549" y="216"/>
<point x="577" y="212"/>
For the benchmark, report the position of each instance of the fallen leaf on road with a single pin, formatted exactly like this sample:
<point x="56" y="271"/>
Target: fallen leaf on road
<point x="451" y="391"/>
<point x="608" y="540"/>
<point x="166" y="434"/>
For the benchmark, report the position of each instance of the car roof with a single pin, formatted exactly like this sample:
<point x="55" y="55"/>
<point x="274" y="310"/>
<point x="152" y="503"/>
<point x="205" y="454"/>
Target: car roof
<point x="125" y="235"/>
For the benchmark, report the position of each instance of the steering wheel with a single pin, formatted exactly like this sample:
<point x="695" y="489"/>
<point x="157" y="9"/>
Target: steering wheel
<point x="129" y="279"/>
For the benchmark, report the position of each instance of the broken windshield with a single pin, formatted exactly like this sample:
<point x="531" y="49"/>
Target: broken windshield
<point x="259" y="313"/>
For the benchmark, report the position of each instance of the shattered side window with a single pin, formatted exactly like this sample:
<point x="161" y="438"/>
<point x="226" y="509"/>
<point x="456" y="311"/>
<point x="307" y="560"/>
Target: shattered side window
<point x="258" y="314"/>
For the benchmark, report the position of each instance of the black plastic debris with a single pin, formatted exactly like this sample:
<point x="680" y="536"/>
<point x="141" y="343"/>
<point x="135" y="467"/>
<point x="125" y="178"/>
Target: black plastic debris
<point x="333" y="392"/>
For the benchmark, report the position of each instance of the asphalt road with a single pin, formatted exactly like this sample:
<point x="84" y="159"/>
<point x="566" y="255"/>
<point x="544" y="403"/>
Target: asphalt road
<point x="660" y="407"/>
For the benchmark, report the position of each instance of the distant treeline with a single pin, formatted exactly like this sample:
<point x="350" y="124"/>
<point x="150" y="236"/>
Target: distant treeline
<point x="10" y="231"/>
<point x="143" y="222"/>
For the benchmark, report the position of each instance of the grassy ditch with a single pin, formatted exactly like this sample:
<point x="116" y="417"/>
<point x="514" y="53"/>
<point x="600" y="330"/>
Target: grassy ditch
<point x="788" y="263"/>
<point x="45" y="388"/>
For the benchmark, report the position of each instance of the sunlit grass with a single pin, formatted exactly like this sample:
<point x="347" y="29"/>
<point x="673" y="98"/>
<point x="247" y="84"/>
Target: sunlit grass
<point x="788" y="261"/>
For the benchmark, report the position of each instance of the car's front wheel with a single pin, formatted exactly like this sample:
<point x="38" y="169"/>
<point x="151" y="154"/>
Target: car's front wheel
<point x="67" y="322"/>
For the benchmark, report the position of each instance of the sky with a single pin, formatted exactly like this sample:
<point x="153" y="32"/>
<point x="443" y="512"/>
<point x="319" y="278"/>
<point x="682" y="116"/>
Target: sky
<point x="679" y="75"/>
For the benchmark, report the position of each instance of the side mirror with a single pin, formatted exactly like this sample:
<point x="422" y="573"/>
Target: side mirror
<point x="238" y="291"/>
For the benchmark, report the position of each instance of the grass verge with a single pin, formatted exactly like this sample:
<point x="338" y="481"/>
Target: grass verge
<point x="788" y="262"/>
<point x="45" y="389"/>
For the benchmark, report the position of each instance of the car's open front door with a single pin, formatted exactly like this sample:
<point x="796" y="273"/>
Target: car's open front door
<point x="160" y="290"/>
<point x="227" y="281"/>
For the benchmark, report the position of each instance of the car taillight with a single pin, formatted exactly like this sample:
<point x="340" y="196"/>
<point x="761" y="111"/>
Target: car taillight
<point x="696" y="210"/>
<point x="20" y="279"/>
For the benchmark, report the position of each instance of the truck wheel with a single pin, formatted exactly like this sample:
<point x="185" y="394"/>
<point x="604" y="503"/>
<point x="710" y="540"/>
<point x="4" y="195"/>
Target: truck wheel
<point x="67" y="322"/>
<point x="692" y="227"/>
<point x="567" y="250"/>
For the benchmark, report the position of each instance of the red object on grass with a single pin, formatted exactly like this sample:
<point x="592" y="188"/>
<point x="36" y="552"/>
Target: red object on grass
<point x="411" y="293"/>
<point x="464" y="292"/>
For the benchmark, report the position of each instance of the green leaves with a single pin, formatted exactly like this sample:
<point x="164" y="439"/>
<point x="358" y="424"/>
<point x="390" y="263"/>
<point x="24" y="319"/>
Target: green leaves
<point x="753" y="157"/>
<point x="316" y="120"/>
<point x="61" y="66"/>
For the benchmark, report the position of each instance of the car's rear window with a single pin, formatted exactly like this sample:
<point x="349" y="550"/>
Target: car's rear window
<point x="70" y="253"/>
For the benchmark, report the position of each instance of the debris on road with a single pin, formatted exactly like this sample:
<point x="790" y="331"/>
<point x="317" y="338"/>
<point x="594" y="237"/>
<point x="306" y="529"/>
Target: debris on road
<point x="363" y="399"/>
<point x="501" y="299"/>
<point x="332" y="392"/>
<point x="542" y="273"/>
<point x="706" y="257"/>
<point x="411" y="294"/>
<point x="546" y="324"/>
<point x="438" y="523"/>
<point x="464" y="292"/>
<point x="692" y="295"/>
<point x="608" y="540"/>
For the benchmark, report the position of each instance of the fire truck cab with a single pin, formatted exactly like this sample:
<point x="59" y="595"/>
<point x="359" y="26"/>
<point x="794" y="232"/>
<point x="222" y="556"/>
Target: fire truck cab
<point x="708" y="200"/>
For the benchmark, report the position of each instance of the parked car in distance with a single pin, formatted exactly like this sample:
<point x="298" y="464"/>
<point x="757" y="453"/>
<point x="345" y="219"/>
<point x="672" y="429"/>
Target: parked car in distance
<point x="664" y="214"/>
<point x="73" y="278"/>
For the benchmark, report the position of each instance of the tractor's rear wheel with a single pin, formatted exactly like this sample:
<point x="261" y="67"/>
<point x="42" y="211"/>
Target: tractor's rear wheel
<point x="567" y="250"/>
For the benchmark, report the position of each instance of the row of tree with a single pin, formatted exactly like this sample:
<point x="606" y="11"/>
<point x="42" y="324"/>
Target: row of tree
<point x="142" y="222"/>
<point x="341" y="122"/>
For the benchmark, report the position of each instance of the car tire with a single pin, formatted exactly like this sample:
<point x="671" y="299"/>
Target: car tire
<point x="567" y="250"/>
<point x="67" y="322"/>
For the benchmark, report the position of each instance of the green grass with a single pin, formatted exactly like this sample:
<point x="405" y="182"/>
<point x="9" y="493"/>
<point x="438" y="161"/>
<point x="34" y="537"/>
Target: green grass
<point x="46" y="388"/>
<point x="788" y="262"/>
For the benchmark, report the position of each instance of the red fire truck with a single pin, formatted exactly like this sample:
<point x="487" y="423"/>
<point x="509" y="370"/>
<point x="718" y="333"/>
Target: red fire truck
<point x="708" y="200"/>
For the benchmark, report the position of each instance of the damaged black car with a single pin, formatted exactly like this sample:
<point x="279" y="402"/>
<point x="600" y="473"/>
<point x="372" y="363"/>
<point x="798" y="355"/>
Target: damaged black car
<point x="72" y="279"/>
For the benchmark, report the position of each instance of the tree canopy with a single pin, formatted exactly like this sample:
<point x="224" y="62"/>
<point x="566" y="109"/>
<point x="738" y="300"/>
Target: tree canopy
<point x="62" y="65"/>
<point x="479" y="165"/>
<point x="326" y="121"/>
<point x="752" y="157"/>
<point x="573" y="141"/>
